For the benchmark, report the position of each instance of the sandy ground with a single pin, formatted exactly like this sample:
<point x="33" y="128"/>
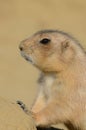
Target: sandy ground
<point x="18" y="20"/>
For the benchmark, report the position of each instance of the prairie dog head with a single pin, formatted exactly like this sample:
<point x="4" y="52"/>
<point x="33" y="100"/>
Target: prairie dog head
<point x="50" y="50"/>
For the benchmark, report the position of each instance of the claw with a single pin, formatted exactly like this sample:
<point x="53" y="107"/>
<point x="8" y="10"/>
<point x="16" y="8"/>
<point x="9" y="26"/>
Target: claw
<point x="23" y="106"/>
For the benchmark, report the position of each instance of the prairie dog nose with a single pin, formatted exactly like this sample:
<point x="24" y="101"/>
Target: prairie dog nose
<point x="21" y="47"/>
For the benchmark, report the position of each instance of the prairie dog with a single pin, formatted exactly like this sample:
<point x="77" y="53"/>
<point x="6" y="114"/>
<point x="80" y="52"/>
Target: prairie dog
<point x="62" y="84"/>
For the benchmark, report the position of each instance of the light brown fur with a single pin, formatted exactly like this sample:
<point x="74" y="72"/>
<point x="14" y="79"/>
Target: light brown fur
<point x="62" y="85"/>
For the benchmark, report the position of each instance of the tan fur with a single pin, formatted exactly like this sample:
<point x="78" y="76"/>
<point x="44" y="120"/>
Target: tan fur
<point x="62" y="85"/>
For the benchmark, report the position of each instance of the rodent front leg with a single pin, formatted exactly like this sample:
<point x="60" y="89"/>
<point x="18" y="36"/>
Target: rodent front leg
<point x="40" y="102"/>
<point x="50" y="115"/>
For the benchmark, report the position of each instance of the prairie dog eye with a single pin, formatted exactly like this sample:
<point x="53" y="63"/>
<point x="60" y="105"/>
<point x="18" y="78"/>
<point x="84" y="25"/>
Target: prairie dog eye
<point x="45" y="41"/>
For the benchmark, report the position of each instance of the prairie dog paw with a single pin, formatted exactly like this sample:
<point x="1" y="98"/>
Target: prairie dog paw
<point x="39" y="119"/>
<point x="23" y="106"/>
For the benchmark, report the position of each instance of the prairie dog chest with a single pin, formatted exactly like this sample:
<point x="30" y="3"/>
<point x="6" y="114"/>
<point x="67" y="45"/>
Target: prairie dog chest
<point x="49" y="84"/>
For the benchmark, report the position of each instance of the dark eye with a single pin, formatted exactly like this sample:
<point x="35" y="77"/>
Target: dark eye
<point x="45" y="41"/>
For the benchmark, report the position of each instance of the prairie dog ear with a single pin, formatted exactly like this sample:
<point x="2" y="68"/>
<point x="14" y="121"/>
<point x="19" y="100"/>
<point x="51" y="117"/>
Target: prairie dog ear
<point x="67" y="50"/>
<point x="65" y="45"/>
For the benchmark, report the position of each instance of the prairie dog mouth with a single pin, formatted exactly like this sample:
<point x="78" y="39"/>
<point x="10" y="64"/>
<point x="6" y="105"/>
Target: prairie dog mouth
<point x="26" y="57"/>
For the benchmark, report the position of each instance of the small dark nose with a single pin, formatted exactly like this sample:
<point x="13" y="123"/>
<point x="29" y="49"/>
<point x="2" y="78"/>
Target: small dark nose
<point x="21" y="48"/>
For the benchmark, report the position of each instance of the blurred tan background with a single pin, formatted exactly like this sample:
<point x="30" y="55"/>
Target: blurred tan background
<point x="20" y="19"/>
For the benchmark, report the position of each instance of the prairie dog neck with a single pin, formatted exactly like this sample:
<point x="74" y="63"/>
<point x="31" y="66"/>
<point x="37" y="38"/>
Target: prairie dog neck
<point x="47" y="79"/>
<point x="68" y="80"/>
